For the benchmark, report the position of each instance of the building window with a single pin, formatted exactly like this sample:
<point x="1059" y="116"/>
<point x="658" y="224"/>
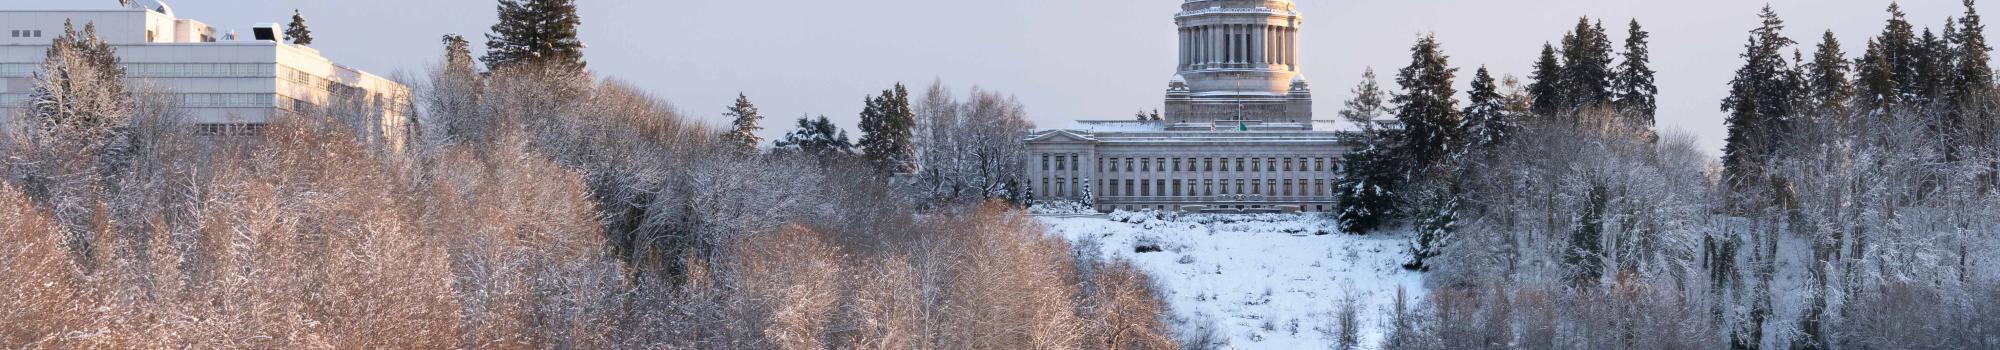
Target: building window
<point x="1288" y="164"/>
<point x="1045" y="162"/>
<point x="1239" y="164"/>
<point x="1059" y="163"/>
<point x="1177" y="164"/>
<point x="1177" y="188"/>
<point x="13" y="33"/>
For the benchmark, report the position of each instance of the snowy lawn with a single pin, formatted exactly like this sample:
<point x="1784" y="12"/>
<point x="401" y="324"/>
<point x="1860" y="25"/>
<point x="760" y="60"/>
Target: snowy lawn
<point x="1262" y="281"/>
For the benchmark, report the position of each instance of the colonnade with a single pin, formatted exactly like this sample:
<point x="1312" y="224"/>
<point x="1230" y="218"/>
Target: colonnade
<point x="1238" y="46"/>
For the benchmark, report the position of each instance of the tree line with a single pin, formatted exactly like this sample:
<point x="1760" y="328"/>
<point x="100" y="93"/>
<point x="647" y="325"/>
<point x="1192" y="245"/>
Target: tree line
<point x="1851" y="207"/>
<point x="537" y="205"/>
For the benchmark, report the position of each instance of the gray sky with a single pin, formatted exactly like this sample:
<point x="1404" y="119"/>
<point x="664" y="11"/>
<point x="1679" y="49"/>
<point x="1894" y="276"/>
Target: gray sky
<point x="1065" y="59"/>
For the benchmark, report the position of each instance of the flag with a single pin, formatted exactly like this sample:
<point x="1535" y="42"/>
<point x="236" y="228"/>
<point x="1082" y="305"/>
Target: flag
<point x="1241" y="126"/>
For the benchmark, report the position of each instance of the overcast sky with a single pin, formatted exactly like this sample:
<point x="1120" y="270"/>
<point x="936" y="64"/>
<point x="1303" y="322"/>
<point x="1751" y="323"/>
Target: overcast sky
<point x="1066" y="59"/>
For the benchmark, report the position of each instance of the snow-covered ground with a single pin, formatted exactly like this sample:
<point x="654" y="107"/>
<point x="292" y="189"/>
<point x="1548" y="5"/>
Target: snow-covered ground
<point x="1264" y="281"/>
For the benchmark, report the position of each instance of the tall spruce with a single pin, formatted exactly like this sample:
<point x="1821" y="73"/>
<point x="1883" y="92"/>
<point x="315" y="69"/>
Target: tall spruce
<point x="79" y="93"/>
<point x="1826" y="80"/>
<point x="1486" y="123"/>
<point x="1972" y="125"/>
<point x="1427" y="107"/>
<point x="1760" y="102"/>
<point x="536" y="32"/>
<point x="1367" y="103"/>
<point x="1635" y="87"/>
<point x="742" y="136"/>
<point x="1587" y="72"/>
<point x="1546" y="92"/>
<point x="296" y="32"/>
<point x="455" y="94"/>
<point x="886" y="125"/>
<point x="1888" y="68"/>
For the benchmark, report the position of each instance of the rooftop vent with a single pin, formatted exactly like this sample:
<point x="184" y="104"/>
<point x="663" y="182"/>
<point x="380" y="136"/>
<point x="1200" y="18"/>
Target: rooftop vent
<point x="265" y="31"/>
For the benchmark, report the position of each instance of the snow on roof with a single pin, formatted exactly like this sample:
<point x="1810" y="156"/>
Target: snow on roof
<point x="1118" y="126"/>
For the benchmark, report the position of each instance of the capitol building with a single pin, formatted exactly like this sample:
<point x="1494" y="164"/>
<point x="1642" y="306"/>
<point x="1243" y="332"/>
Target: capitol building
<point x="1237" y="132"/>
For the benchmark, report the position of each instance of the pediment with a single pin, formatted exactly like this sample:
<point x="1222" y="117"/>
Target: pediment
<point x="1062" y="136"/>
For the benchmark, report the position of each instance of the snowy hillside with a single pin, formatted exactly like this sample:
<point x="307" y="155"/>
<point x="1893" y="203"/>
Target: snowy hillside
<point x="1262" y="281"/>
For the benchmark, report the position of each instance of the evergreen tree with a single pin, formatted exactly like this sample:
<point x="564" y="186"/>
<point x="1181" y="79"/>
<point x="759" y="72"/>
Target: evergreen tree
<point x="1976" y="117"/>
<point x="818" y="138"/>
<point x="1545" y="94"/>
<point x="1634" y="86"/>
<point x="1366" y="105"/>
<point x="1760" y="102"/>
<point x="1434" y="222"/>
<point x="1427" y="107"/>
<point x="1829" y="90"/>
<point x="1933" y="66"/>
<point x="1903" y="48"/>
<point x="1486" y="123"/>
<point x="79" y="93"/>
<point x="1367" y="186"/>
<point x="886" y="125"/>
<point x="455" y="94"/>
<point x="1974" y="74"/>
<point x="1587" y="74"/>
<point x="537" y="32"/>
<point x="742" y="136"/>
<point x="1585" y="255"/>
<point x="296" y="32"/>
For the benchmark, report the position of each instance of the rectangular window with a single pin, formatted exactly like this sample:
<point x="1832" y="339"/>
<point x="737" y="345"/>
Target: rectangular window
<point x="1177" y="188"/>
<point x="38" y="33"/>
<point x="14" y="33"/>
<point x="1045" y="162"/>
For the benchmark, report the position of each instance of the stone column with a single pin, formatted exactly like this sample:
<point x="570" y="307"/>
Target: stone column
<point x="1256" y="43"/>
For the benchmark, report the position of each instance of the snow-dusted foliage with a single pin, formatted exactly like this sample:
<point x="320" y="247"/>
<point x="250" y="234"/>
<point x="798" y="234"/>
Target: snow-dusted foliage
<point x="970" y="150"/>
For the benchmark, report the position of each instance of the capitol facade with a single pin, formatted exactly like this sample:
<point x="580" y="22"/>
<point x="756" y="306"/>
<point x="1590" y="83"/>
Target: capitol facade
<point x="1237" y="132"/>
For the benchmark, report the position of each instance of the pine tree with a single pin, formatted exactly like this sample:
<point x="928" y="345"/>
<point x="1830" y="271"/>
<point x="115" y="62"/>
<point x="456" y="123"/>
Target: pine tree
<point x="536" y="32"/>
<point x="1933" y="67"/>
<point x="1760" y="102"/>
<point x="296" y="32"/>
<point x="1366" y="105"/>
<point x="1546" y="93"/>
<point x="1435" y="221"/>
<point x="1427" y="107"/>
<point x="1587" y="74"/>
<point x="79" y="93"/>
<point x="818" y="138"/>
<point x="886" y="125"/>
<point x="1901" y="51"/>
<point x="1367" y="186"/>
<point x="742" y="136"/>
<point x="1585" y="255"/>
<point x="1974" y="74"/>
<point x="1829" y="90"/>
<point x="1634" y="86"/>
<point x="1486" y="123"/>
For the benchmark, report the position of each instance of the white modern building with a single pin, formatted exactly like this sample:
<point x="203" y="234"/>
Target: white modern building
<point x="1237" y="133"/>
<point x="228" y="84"/>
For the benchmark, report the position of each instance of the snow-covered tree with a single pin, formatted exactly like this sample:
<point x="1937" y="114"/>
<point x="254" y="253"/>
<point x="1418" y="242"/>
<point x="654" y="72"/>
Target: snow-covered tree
<point x="886" y="127"/>
<point x="742" y="135"/>
<point x="818" y="138"/>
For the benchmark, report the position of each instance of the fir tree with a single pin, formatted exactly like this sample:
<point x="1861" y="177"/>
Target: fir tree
<point x="79" y="93"/>
<point x="1434" y="222"/>
<point x="1427" y="107"/>
<point x="1587" y="74"/>
<point x="1366" y="105"/>
<point x="1932" y="67"/>
<point x="818" y="138"/>
<point x="1829" y="90"/>
<point x="886" y="125"/>
<point x="1545" y="94"/>
<point x="1634" y="85"/>
<point x="1889" y="67"/>
<point x="1585" y="255"/>
<point x="296" y="32"/>
<point x="1974" y="74"/>
<point x="742" y="136"/>
<point x="1367" y="186"/>
<point x="1760" y="102"/>
<point x="1486" y="123"/>
<point x="455" y="93"/>
<point x="537" y="32"/>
